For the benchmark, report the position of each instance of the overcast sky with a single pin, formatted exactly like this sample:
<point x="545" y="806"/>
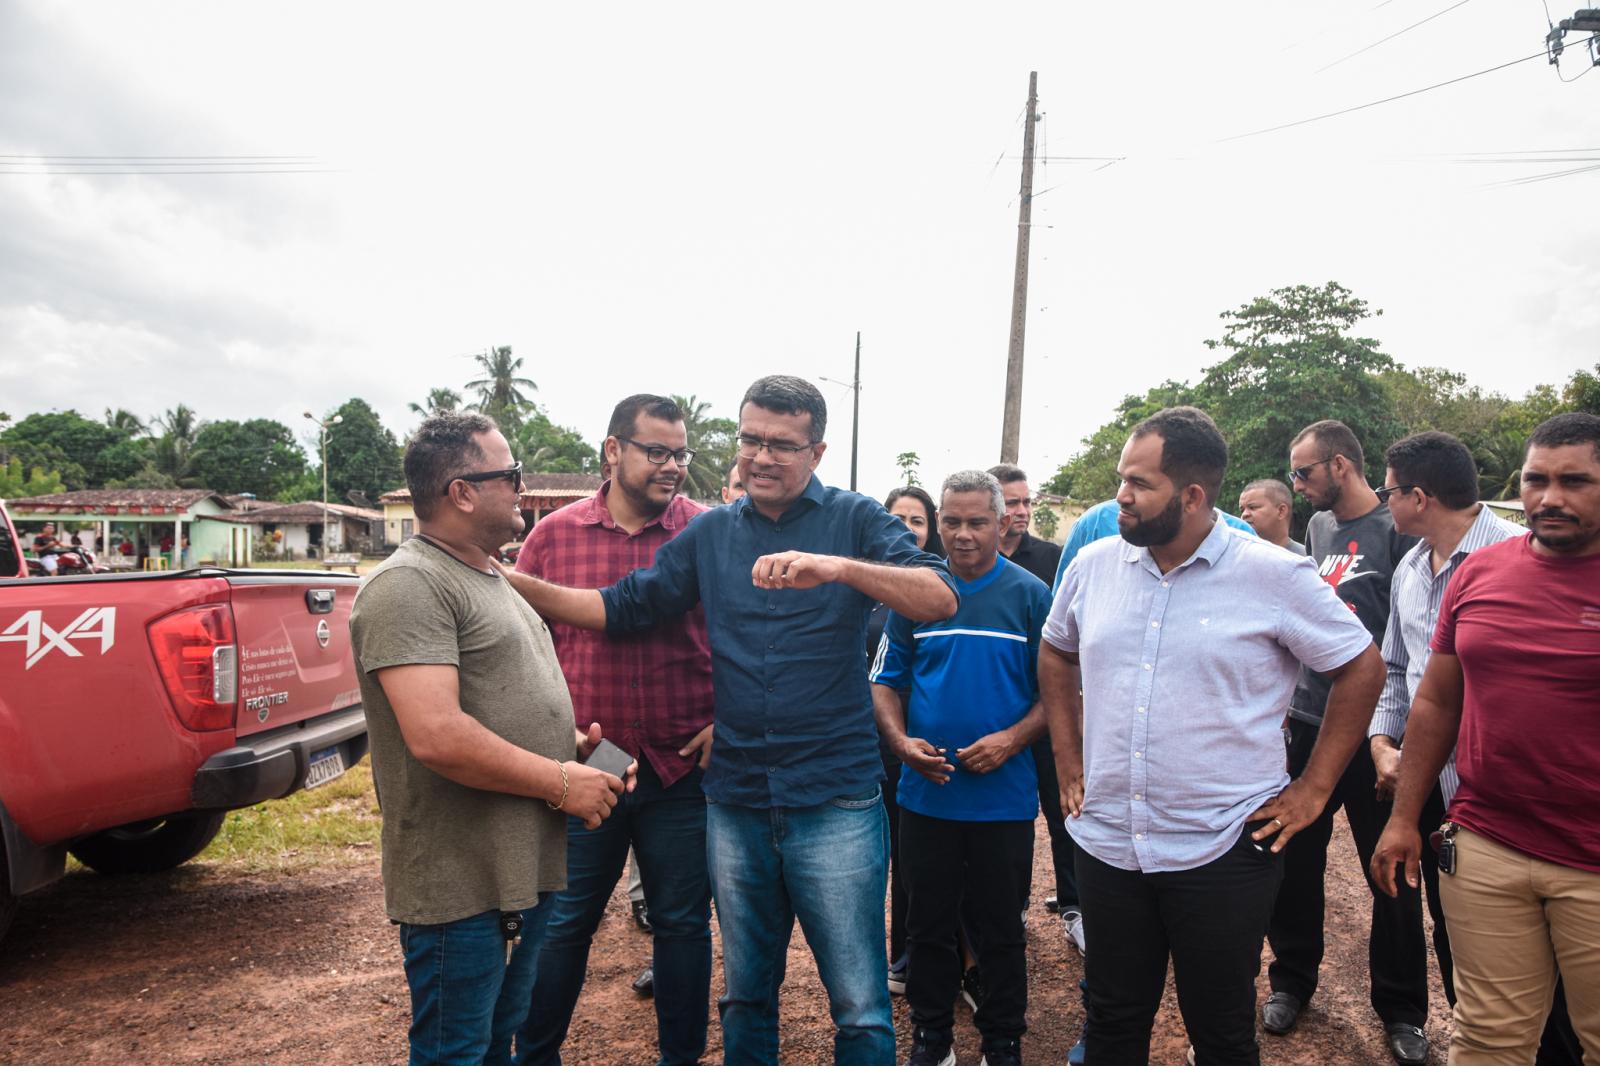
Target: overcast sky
<point x="679" y="198"/>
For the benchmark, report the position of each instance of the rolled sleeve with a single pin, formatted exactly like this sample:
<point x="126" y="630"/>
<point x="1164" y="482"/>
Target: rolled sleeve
<point x="1314" y="624"/>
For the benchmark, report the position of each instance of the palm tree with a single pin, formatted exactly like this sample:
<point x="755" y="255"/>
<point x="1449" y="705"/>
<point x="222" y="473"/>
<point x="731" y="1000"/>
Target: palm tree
<point x="125" y="422"/>
<point x="175" y="453"/>
<point x="500" y="394"/>
<point x="712" y="440"/>
<point x="438" y="402"/>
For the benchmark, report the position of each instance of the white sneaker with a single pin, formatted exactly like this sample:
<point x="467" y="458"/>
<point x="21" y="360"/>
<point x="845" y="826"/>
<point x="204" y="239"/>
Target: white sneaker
<point x="1073" y="919"/>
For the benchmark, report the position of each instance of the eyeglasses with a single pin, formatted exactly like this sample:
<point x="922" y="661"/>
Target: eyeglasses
<point x="1384" y="493"/>
<point x="781" y="452"/>
<point x="512" y="474"/>
<point x="659" y="454"/>
<point x="1303" y="473"/>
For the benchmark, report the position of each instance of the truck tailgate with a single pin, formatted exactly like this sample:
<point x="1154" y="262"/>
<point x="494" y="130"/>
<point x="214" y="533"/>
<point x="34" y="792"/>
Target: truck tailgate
<point x="295" y="660"/>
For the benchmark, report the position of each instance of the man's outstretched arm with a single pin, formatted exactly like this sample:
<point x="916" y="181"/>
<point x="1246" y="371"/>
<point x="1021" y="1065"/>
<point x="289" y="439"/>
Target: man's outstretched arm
<point x="916" y="592"/>
<point x="557" y="603"/>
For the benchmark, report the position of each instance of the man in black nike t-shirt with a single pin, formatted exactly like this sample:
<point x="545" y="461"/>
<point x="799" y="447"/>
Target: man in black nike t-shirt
<point x="1353" y="541"/>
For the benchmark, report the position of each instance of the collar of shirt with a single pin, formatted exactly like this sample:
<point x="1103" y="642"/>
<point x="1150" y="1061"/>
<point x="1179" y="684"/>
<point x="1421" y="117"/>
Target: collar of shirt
<point x="813" y="497"/>
<point x="596" y="511"/>
<point x="1210" y="549"/>
<point x="1488" y="528"/>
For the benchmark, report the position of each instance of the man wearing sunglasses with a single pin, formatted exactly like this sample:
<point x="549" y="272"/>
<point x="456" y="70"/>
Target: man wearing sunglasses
<point x="651" y="694"/>
<point x="795" y="825"/>
<point x="1353" y="540"/>
<point x="474" y="752"/>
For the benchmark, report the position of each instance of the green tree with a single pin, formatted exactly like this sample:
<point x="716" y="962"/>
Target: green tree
<point x="713" y="442"/>
<point x="84" y="452"/>
<point x="125" y="422"/>
<point x="362" y="454"/>
<point x="438" y="402"/>
<point x="908" y="463"/>
<point x="1091" y="474"/>
<point x="1292" y="359"/>
<point x="259" y="456"/>
<point x="1583" y="391"/>
<point x="17" y="484"/>
<point x="146" y="477"/>
<point x="500" y="394"/>
<point x="1432" y="397"/>
<point x="174" y="449"/>
<point x="543" y="447"/>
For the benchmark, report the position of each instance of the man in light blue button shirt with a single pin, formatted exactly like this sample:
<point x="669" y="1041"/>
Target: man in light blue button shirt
<point x="1186" y="639"/>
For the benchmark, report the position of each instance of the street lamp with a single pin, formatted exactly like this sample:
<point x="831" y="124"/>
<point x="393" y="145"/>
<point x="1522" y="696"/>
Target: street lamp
<point x="324" y="423"/>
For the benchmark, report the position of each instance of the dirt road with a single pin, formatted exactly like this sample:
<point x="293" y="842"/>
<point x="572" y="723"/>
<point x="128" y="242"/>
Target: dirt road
<point x="211" y="965"/>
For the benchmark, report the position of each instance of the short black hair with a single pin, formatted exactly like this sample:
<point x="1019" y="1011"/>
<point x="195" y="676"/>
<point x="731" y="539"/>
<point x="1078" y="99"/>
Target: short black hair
<point x="1574" y="427"/>
<point x="789" y="395"/>
<point x="1336" y="438"/>
<point x="1276" y="490"/>
<point x="442" y="449"/>
<point x="1007" y="473"/>
<point x="1438" y="464"/>
<point x="1192" y="449"/>
<point x="625" y="416"/>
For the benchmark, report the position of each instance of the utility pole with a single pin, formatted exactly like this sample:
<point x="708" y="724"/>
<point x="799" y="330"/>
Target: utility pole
<point x="1011" y="427"/>
<point x="855" y="416"/>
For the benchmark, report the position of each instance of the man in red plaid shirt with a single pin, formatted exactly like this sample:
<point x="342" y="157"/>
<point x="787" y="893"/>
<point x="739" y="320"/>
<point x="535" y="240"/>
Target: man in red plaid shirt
<point x="651" y="694"/>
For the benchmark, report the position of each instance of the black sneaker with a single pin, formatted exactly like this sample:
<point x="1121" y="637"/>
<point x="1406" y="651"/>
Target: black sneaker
<point x="641" y="916"/>
<point x="972" y="987"/>
<point x="931" y="1049"/>
<point x="1003" y="1053"/>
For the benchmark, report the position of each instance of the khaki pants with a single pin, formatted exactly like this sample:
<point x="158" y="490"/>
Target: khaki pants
<point x="1513" y="920"/>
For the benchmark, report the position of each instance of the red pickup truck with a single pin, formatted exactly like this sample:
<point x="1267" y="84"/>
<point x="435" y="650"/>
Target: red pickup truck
<point x="137" y="709"/>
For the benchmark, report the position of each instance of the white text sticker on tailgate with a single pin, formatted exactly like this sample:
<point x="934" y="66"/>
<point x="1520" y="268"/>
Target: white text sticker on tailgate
<point x="326" y="765"/>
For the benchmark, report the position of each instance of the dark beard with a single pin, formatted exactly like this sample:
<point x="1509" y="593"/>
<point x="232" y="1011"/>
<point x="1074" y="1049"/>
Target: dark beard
<point x="640" y="498"/>
<point x="1154" y="532"/>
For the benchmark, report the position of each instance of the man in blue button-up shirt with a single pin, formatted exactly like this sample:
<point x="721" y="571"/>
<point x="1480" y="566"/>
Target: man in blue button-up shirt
<point x="794" y="821"/>
<point x="1186" y="639"/>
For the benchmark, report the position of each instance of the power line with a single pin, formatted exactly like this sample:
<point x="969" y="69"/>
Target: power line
<point x="160" y="173"/>
<point x="1392" y="36"/>
<point x="136" y="159"/>
<point x="1375" y="103"/>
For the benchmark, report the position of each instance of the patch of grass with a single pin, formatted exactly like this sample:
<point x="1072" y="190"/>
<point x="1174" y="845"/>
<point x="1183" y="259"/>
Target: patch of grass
<point x="336" y="821"/>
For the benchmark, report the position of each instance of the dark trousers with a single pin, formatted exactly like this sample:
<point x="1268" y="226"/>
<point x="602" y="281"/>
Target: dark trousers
<point x="945" y="861"/>
<point x="1060" y="840"/>
<point x="1397" y="952"/>
<point x="667" y="829"/>
<point x="897" y="884"/>
<point x="1209" y="920"/>
<point x="1558" y="1046"/>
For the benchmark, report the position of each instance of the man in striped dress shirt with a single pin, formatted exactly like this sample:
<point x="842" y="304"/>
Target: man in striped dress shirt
<point x="1431" y="487"/>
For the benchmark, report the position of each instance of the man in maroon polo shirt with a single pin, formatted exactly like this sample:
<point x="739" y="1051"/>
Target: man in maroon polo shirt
<point x="651" y="694"/>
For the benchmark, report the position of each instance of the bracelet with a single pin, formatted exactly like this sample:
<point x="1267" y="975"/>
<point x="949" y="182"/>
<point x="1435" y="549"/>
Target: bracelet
<point x="565" y="785"/>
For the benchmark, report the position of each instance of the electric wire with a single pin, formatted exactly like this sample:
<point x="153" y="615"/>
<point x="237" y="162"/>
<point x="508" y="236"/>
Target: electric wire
<point x="1392" y="36"/>
<point x="1377" y="103"/>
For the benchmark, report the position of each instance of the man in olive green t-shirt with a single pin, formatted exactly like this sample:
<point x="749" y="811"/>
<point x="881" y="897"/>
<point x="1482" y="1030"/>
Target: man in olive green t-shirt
<point x="473" y="747"/>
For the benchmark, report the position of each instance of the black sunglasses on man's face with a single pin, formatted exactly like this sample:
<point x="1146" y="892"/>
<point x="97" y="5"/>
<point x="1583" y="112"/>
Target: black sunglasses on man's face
<point x="512" y="474"/>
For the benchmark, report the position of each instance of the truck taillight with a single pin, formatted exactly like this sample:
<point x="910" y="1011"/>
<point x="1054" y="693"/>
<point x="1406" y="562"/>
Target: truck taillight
<point x="195" y="652"/>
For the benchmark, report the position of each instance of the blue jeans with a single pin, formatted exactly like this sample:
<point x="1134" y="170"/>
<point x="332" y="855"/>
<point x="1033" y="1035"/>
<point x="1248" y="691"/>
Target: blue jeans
<point x="466" y="1001"/>
<point x="667" y="829"/>
<point x="828" y="866"/>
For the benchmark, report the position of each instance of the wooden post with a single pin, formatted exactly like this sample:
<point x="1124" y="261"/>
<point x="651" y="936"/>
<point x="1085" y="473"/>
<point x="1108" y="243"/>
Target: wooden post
<point x="1011" y="426"/>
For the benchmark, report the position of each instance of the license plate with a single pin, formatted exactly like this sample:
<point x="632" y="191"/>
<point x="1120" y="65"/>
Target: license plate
<point x="325" y="766"/>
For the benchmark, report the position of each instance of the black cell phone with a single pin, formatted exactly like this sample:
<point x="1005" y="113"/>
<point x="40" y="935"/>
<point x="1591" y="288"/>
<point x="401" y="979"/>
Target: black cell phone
<point x="610" y="758"/>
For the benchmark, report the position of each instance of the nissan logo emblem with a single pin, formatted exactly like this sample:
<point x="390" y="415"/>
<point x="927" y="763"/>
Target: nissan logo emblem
<point x="323" y="633"/>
